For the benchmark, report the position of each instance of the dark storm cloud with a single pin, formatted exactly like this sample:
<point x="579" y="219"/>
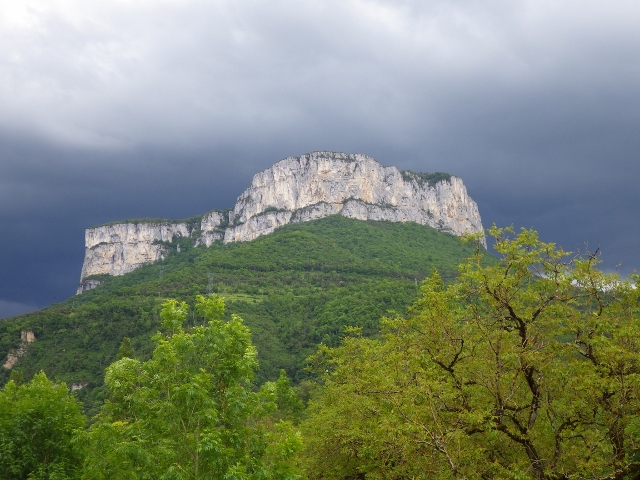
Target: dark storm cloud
<point x="49" y="195"/>
<point x="114" y="110"/>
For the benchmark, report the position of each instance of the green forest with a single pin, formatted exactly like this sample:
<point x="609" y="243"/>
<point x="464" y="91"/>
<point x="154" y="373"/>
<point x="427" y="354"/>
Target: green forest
<point x="335" y="349"/>
<point x="295" y="288"/>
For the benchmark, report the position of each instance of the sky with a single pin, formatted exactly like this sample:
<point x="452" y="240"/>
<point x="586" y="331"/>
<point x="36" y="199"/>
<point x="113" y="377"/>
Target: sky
<point x="167" y="108"/>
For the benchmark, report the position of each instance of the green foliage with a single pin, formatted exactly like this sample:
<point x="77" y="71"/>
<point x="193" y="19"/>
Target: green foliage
<point x="429" y="178"/>
<point x="294" y="288"/>
<point x="125" y="350"/>
<point x="189" y="411"/>
<point x="287" y="403"/>
<point x="528" y="369"/>
<point x="523" y="368"/>
<point x="16" y="377"/>
<point x="273" y="209"/>
<point x="38" y="422"/>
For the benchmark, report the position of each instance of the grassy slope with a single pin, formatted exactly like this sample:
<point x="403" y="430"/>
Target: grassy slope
<point x="295" y="288"/>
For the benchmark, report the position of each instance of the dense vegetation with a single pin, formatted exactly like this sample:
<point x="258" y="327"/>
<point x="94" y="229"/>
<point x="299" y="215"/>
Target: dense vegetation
<point x="190" y="411"/>
<point x="295" y="289"/>
<point x="528" y="368"/>
<point x="429" y="178"/>
<point x="38" y="424"/>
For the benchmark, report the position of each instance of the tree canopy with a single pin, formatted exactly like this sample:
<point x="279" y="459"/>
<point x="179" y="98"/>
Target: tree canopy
<point x="526" y="369"/>
<point x="190" y="412"/>
<point x="38" y="422"/>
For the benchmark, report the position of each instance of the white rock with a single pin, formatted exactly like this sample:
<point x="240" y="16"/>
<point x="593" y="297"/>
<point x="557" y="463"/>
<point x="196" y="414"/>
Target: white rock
<point x="296" y="189"/>
<point x="356" y="186"/>
<point x="121" y="248"/>
<point x="212" y="228"/>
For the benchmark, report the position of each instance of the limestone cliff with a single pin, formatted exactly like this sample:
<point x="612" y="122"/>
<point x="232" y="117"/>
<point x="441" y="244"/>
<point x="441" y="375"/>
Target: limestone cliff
<point x="120" y="248"/>
<point x="296" y="189"/>
<point x="312" y="186"/>
<point x="212" y="228"/>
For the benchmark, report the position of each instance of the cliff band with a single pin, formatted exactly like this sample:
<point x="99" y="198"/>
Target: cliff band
<point x="296" y="189"/>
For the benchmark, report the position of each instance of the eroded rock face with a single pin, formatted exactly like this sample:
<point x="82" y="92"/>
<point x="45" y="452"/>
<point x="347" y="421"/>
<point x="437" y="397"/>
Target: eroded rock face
<point x="26" y="337"/>
<point x="296" y="189"/>
<point x="319" y="184"/>
<point x="212" y="228"/>
<point x="121" y="248"/>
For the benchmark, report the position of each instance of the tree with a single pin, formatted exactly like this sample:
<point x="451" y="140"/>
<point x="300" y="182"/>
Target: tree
<point x="38" y="423"/>
<point x="529" y="368"/>
<point x="125" y="350"/>
<point x="189" y="412"/>
<point x="17" y="376"/>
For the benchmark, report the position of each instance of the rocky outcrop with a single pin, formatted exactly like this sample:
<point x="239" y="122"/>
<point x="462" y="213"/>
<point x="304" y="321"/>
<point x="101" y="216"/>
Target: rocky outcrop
<point x="26" y="337"/>
<point x="212" y="228"/>
<point x="87" y="284"/>
<point x="121" y="248"/>
<point x="296" y="189"/>
<point x="319" y="184"/>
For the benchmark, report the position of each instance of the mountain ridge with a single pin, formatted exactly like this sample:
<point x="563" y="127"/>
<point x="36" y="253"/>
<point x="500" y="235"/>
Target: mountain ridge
<point x="295" y="189"/>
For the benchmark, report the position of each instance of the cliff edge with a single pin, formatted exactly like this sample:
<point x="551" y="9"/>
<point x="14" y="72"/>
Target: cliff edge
<point x="296" y="189"/>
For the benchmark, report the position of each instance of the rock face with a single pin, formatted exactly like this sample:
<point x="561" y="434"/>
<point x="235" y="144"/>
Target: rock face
<point x="120" y="248"/>
<point x="296" y="189"/>
<point x="299" y="189"/>
<point x="212" y="228"/>
<point x="26" y="337"/>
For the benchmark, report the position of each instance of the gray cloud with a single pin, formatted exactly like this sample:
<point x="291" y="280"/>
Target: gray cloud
<point x="115" y="110"/>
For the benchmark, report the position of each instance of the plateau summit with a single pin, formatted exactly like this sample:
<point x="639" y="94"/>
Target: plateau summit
<point x="296" y="189"/>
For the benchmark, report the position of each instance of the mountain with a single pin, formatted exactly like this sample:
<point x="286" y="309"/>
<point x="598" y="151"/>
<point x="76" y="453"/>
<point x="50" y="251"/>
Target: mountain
<point x="296" y="189"/>
<point x="295" y="287"/>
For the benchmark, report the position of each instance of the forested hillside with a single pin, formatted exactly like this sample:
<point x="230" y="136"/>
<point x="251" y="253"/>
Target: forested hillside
<point x="526" y="367"/>
<point x="295" y="289"/>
